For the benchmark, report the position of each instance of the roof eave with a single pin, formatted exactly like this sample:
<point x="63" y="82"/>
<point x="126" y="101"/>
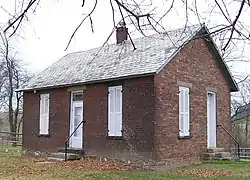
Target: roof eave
<point x="234" y="119"/>
<point x="85" y="83"/>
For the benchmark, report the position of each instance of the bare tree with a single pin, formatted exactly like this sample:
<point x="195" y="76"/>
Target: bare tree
<point x="240" y="105"/>
<point x="12" y="75"/>
<point x="153" y="15"/>
<point x="241" y="132"/>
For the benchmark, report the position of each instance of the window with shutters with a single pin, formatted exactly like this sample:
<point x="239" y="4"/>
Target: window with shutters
<point x="184" y="112"/>
<point x="44" y="114"/>
<point x="115" y="111"/>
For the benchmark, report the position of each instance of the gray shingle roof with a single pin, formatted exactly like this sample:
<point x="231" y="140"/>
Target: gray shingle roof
<point x="114" y="61"/>
<point x="242" y="112"/>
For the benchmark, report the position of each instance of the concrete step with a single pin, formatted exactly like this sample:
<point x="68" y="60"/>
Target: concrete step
<point x="60" y="155"/>
<point x="53" y="159"/>
<point x="222" y="155"/>
<point x="207" y="156"/>
<point x="215" y="150"/>
<point x="217" y="156"/>
<point x="72" y="150"/>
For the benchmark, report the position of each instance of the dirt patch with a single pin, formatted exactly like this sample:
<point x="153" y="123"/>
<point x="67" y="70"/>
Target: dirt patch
<point x="204" y="173"/>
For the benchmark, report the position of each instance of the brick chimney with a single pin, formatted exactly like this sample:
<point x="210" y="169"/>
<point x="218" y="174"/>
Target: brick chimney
<point x="121" y="33"/>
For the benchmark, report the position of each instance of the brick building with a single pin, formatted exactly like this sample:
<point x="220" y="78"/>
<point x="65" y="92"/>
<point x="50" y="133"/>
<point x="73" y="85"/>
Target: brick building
<point x="159" y="101"/>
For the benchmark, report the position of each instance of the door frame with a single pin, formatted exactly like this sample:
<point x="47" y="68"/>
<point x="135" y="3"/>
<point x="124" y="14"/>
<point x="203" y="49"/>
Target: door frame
<point x="209" y="134"/>
<point x="71" y="118"/>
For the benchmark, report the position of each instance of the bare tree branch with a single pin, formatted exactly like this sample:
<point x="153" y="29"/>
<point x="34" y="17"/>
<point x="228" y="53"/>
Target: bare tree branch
<point x="20" y="17"/>
<point x="142" y="21"/>
<point x="93" y="9"/>
<point x="113" y="12"/>
<point x="243" y="80"/>
<point x="234" y="23"/>
<point x="171" y="6"/>
<point x="83" y="2"/>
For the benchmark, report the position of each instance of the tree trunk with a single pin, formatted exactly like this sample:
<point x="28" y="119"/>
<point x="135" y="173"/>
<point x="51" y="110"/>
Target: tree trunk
<point x="11" y="93"/>
<point x="19" y="125"/>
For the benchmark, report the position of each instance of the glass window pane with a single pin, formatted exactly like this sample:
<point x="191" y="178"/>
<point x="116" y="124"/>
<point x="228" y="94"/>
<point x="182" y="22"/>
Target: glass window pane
<point x="78" y="96"/>
<point x="78" y="111"/>
<point x="77" y="121"/>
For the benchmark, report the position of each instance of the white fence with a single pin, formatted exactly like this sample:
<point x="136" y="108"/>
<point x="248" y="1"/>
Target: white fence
<point x="244" y="152"/>
<point x="7" y="138"/>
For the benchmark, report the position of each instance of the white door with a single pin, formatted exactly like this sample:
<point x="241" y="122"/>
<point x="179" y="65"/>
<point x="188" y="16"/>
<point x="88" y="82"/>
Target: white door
<point x="76" y="118"/>
<point x="211" y="120"/>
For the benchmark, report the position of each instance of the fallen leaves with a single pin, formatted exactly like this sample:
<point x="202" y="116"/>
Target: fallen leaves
<point x="25" y="167"/>
<point x="204" y="173"/>
<point x="94" y="164"/>
<point x="32" y="159"/>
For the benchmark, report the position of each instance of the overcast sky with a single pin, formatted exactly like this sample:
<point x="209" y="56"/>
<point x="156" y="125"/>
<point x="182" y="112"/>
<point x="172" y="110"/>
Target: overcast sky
<point x="46" y="34"/>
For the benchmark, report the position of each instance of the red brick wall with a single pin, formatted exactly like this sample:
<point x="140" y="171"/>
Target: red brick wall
<point x="138" y="117"/>
<point x="193" y="64"/>
<point x="59" y="120"/>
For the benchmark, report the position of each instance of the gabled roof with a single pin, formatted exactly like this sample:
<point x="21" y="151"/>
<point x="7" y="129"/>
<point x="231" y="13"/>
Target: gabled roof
<point x="117" y="61"/>
<point x="242" y="112"/>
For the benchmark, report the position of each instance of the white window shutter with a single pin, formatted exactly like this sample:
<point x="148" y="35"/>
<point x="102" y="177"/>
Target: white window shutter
<point x="118" y="128"/>
<point x="186" y="129"/>
<point x="111" y="111"/>
<point x="44" y="114"/>
<point x="115" y="111"/>
<point x="181" y="116"/>
<point x="41" y="114"/>
<point x="184" y="111"/>
<point x="46" y="119"/>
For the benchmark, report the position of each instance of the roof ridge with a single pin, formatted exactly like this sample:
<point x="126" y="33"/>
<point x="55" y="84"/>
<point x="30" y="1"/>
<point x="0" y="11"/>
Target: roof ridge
<point x="137" y="38"/>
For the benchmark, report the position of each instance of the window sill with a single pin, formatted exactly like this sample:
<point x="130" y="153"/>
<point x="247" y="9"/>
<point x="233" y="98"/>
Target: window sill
<point x="43" y="135"/>
<point x="114" y="137"/>
<point x="184" y="137"/>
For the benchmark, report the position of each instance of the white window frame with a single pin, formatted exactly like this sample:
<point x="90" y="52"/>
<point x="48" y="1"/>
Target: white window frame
<point x="115" y="119"/>
<point x="44" y="114"/>
<point x="184" y="100"/>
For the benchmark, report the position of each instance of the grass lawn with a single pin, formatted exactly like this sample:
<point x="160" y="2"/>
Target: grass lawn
<point x="14" y="166"/>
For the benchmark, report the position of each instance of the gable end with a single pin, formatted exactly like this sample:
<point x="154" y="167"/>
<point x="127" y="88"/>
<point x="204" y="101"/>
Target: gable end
<point x="204" y="33"/>
<point x="222" y="65"/>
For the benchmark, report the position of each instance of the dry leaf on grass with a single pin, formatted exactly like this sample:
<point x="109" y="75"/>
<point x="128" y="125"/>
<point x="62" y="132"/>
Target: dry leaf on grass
<point x="33" y="159"/>
<point x="204" y="173"/>
<point x="93" y="165"/>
